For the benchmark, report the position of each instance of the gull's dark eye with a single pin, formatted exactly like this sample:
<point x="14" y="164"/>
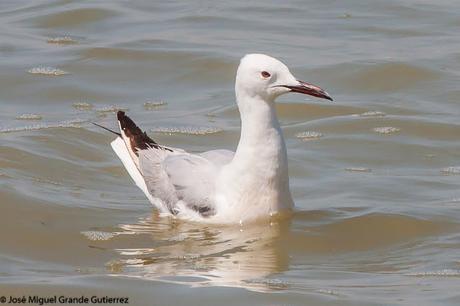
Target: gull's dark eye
<point x="265" y="74"/>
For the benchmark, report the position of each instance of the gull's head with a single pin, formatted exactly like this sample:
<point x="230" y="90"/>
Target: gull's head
<point x="262" y="76"/>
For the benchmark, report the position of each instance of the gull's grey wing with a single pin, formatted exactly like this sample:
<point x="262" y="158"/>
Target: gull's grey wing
<point x="180" y="180"/>
<point x="218" y="157"/>
<point x="156" y="179"/>
<point x="175" y="181"/>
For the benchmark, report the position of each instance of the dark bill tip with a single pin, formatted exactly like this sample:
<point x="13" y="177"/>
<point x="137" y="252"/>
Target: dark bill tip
<point x="310" y="89"/>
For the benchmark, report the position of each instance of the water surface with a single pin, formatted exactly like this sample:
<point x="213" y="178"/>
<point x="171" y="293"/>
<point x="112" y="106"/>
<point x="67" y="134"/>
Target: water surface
<point x="375" y="175"/>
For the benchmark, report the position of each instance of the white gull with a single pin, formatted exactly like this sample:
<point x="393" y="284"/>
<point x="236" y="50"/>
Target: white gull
<point x="222" y="186"/>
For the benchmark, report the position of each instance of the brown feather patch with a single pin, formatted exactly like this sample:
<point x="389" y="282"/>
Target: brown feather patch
<point x="138" y="139"/>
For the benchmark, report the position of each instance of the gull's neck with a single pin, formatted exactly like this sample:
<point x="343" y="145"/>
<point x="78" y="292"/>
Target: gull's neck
<point x="261" y="154"/>
<point x="256" y="182"/>
<point x="260" y="129"/>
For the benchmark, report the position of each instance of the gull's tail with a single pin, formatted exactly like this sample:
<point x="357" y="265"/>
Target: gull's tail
<point x="107" y="129"/>
<point x="126" y="146"/>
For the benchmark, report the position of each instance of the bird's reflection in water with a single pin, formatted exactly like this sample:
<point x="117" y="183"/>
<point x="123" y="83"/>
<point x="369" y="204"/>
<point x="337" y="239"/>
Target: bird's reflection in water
<point x="198" y="254"/>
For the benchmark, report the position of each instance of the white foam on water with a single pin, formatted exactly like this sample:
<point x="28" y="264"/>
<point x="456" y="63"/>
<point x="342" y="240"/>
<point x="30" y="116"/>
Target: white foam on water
<point x="329" y="292"/>
<point x="187" y="130"/>
<point x="439" y="273"/>
<point x="386" y="130"/>
<point x="309" y="135"/>
<point x="62" y="40"/>
<point x="272" y="283"/>
<point x="135" y="252"/>
<point x="187" y="257"/>
<point x="63" y="124"/>
<point x="46" y="181"/>
<point x="358" y="169"/>
<point x="47" y="71"/>
<point x="97" y="235"/>
<point x="451" y="171"/>
<point x="152" y="105"/>
<point x="372" y="114"/>
<point x="82" y="106"/>
<point x="111" y="109"/>
<point x="29" y="117"/>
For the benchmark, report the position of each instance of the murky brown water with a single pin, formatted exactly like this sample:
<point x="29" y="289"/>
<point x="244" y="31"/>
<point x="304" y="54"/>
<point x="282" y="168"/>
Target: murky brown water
<point x="375" y="175"/>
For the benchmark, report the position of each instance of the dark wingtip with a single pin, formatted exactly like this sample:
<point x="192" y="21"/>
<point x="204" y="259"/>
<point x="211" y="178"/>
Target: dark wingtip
<point x="138" y="139"/>
<point x="120" y="115"/>
<point x="128" y="125"/>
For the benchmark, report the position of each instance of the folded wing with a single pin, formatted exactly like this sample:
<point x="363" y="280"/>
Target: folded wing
<point x="175" y="181"/>
<point x="183" y="182"/>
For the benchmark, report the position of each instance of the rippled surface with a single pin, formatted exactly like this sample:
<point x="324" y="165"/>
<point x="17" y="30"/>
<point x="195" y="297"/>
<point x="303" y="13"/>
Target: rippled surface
<point x="375" y="175"/>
